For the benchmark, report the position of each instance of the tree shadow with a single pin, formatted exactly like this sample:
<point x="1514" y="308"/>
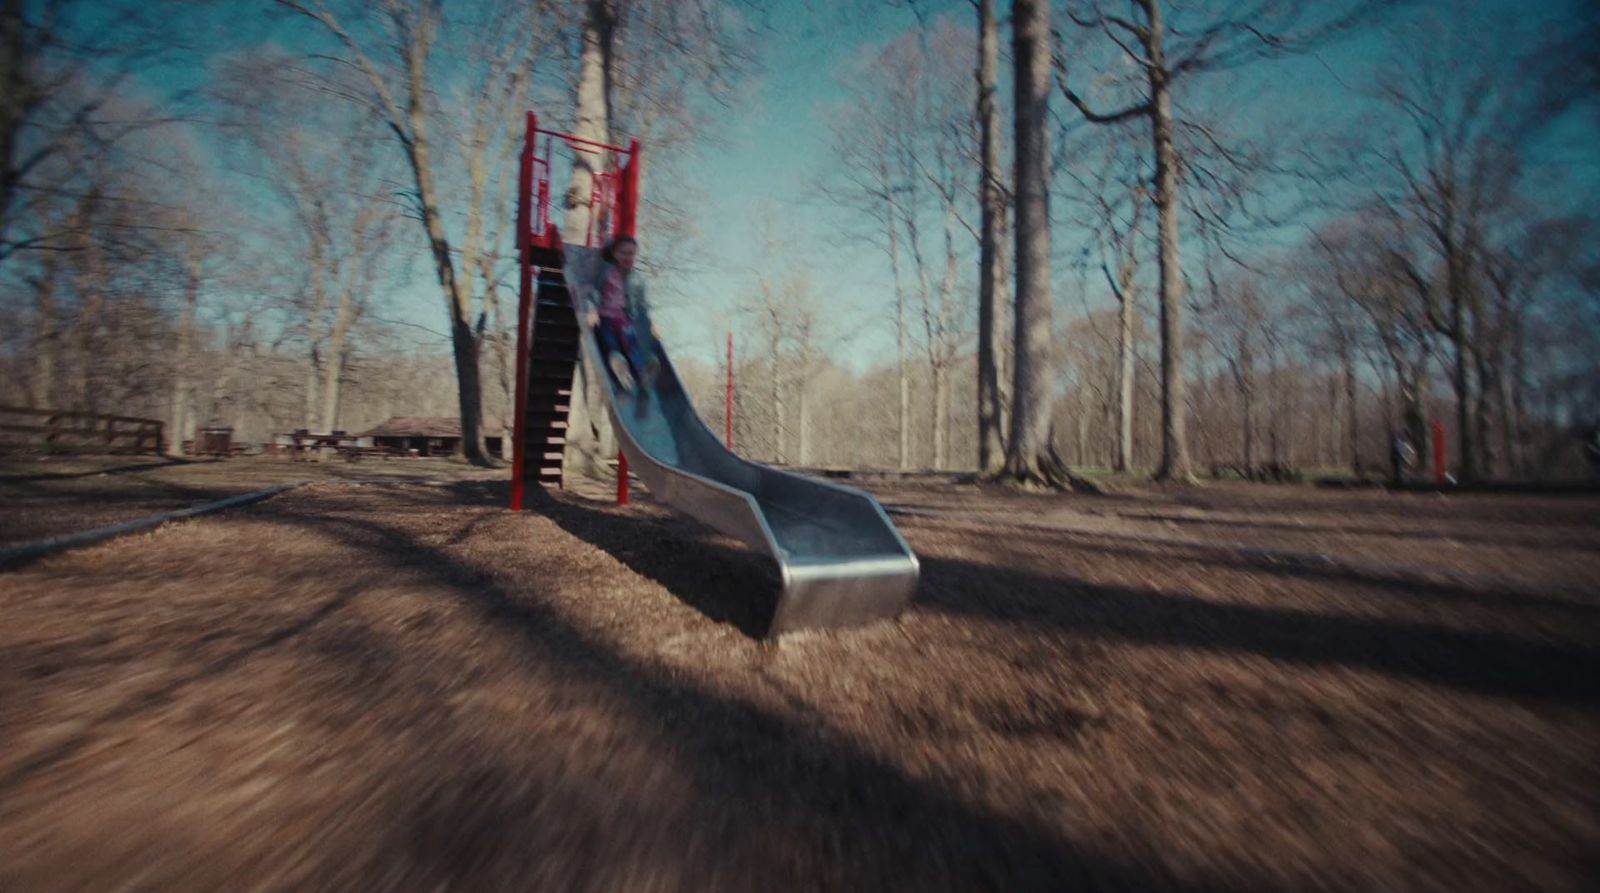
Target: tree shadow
<point x="163" y="692"/>
<point x="1469" y="661"/>
<point x="759" y="776"/>
<point x="1543" y="541"/>
<point x="682" y="554"/>
<point x="1414" y="584"/>
<point x="716" y="576"/>
<point x="1571" y="509"/>
<point x="678" y="553"/>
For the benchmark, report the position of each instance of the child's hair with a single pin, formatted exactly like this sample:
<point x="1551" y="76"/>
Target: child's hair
<point x="609" y="253"/>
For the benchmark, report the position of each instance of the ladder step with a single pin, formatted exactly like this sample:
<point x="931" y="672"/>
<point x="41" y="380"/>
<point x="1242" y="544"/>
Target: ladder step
<point x="554" y="343"/>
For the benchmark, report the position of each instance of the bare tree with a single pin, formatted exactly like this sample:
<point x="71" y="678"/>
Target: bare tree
<point x="1165" y="54"/>
<point x="994" y="318"/>
<point x="866" y="178"/>
<point x="328" y="165"/>
<point x="645" y="68"/>
<point x="1113" y="202"/>
<point x="929" y="117"/>
<point x="1453" y="169"/>
<point x="1357" y="253"/>
<point x="1029" y="456"/>
<point x="64" y="68"/>
<point x="402" y="92"/>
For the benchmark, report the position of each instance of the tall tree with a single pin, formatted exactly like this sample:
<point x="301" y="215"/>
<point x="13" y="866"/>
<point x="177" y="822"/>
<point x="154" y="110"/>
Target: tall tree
<point x="404" y="93"/>
<point x="591" y="442"/>
<point x="869" y="178"/>
<point x="994" y="318"/>
<point x="1029" y="456"/>
<point x="1163" y="55"/>
<point x="64" y="103"/>
<point x="1452" y="178"/>
<point x="326" y="162"/>
<point x="647" y="69"/>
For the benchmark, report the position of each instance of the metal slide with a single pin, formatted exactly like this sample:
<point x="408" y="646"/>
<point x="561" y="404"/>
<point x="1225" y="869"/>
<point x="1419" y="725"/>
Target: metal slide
<point x="843" y="562"/>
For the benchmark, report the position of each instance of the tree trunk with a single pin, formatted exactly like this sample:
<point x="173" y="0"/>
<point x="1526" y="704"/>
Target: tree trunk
<point x="333" y="363"/>
<point x="185" y="358"/>
<point x="778" y="454"/>
<point x="903" y="417"/>
<point x="91" y="315"/>
<point x="463" y="340"/>
<point x="14" y="88"/>
<point x="1174" y="442"/>
<point x="1408" y="381"/>
<point x="1488" y="390"/>
<point x="1246" y="375"/>
<point x="1460" y="382"/>
<point x="457" y="294"/>
<point x="594" y="114"/>
<point x="1352" y="410"/>
<point x="1029" y="455"/>
<point x="46" y="347"/>
<point x="1511" y="406"/>
<point x="1082" y="453"/>
<point x="590" y="442"/>
<point x="1123" y="458"/>
<point x="805" y="425"/>
<point x="1461" y="374"/>
<point x="993" y="337"/>
<point x="1275" y="403"/>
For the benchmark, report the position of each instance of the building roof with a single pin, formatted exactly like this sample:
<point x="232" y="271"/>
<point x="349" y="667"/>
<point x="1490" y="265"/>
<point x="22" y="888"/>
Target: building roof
<point x="426" y="426"/>
<point x="416" y="426"/>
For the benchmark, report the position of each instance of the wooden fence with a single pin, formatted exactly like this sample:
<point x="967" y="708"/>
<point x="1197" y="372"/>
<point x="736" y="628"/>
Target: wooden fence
<point x="25" y="430"/>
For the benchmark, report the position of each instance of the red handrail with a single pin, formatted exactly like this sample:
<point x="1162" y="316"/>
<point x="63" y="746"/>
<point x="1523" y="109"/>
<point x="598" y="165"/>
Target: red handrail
<point x="572" y="140"/>
<point x="613" y="211"/>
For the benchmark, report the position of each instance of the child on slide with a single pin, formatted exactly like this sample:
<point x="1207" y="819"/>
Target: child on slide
<point x="616" y="301"/>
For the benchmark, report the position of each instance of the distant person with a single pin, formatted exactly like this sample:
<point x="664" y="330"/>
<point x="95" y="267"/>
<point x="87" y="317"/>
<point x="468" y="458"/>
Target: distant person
<point x="616" y="303"/>
<point x="1401" y="456"/>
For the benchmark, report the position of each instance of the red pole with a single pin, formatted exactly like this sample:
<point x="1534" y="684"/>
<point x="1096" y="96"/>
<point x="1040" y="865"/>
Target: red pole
<point x="628" y="193"/>
<point x="519" y="445"/>
<point x="1438" y="452"/>
<point x="728" y="409"/>
<point x="622" y="478"/>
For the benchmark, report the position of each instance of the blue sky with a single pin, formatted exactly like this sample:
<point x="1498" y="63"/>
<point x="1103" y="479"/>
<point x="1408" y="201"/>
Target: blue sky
<point x="773" y="146"/>
<point x="770" y="146"/>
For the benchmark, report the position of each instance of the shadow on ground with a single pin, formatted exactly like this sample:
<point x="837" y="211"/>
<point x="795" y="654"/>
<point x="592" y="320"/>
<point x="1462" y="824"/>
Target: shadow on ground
<point x="722" y="580"/>
<point x="718" y="579"/>
<point x="823" y="812"/>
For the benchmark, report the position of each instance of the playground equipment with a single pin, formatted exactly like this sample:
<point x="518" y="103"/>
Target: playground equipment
<point x="841" y="559"/>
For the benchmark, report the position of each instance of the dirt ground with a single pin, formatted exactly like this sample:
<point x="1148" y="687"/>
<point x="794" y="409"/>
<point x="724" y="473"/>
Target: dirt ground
<point x="49" y="496"/>
<point x="405" y="687"/>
